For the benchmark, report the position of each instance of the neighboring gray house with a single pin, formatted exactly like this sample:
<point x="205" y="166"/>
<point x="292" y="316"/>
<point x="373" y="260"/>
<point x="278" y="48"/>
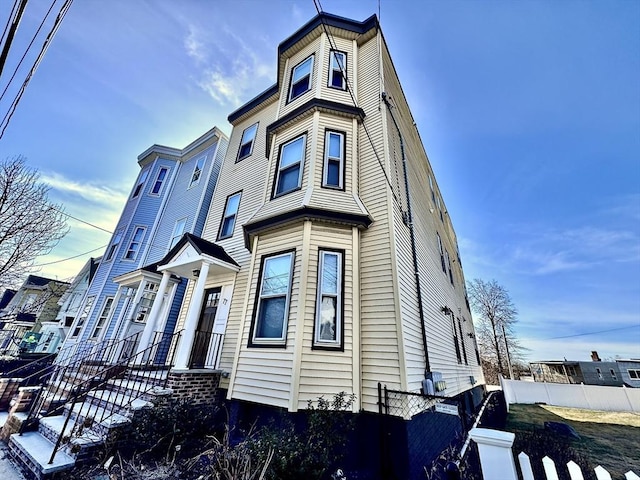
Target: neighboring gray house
<point x="629" y="371"/>
<point x="595" y="372"/>
<point x="170" y="197"/>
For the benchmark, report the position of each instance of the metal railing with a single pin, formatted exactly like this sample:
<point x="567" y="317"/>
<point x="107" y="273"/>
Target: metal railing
<point x="206" y="350"/>
<point x="133" y="376"/>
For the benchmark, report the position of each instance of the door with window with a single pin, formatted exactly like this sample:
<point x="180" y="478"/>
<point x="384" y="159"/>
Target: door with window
<point x="200" y="355"/>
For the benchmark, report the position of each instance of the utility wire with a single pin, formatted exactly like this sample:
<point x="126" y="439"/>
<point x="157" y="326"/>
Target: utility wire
<point x="12" y="31"/>
<point x="594" y="333"/>
<point x="6" y="27"/>
<point x="45" y="46"/>
<point x="27" y="49"/>
<point x="355" y="103"/>
<point x="69" y="258"/>
<point x="80" y="220"/>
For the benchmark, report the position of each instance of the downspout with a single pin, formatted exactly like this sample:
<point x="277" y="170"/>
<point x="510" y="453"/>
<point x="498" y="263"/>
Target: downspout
<point x="409" y="223"/>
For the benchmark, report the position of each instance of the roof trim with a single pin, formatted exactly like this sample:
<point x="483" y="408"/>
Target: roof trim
<point x="202" y="246"/>
<point x="304" y="213"/>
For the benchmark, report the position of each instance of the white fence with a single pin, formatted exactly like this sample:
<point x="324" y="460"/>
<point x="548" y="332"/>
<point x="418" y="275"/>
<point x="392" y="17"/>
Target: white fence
<point x="590" y="397"/>
<point x="496" y="460"/>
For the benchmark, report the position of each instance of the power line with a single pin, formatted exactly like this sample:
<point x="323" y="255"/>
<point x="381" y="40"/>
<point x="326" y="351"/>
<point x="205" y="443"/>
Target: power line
<point x="45" y="46"/>
<point x="355" y="103"/>
<point x="27" y="50"/>
<point x="80" y="220"/>
<point x="594" y="333"/>
<point x="69" y="258"/>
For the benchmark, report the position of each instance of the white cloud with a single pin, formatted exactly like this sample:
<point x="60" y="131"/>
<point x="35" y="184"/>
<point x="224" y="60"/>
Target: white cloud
<point x="234" y="73"/>
<point x="99" y="194"/>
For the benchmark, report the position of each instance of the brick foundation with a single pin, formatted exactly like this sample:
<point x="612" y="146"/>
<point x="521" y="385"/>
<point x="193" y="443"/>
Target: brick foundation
<point x="200" y="386"/>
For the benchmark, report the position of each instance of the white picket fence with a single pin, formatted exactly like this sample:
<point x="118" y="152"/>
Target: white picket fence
<point x="497" y="462"/>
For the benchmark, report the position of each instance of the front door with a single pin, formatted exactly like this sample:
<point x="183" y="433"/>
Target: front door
<point x="202" y="339"/>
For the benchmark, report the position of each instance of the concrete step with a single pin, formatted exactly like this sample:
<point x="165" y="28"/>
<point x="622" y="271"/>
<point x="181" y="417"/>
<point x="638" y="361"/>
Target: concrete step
<point x="32" y="451"/>
<point x="119" y="401"/>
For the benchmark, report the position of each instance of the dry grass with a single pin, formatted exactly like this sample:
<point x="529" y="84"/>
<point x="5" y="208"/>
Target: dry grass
<point x="610" y="439"/>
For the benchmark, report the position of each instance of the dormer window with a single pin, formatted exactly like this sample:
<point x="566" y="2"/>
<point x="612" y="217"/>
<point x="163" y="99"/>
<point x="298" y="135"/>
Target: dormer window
<point x="338" y="70"/>
<point x="301" y="78"/>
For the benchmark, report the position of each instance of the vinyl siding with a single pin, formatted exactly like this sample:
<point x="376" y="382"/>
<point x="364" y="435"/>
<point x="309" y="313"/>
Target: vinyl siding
<point x="335" y="94"/>
<point x="326" y="372"/>
<point x="312" y="49"/>
<point x="274" y="386"/>
<point x="436" y="288"/>
<point x="379" y="333"/>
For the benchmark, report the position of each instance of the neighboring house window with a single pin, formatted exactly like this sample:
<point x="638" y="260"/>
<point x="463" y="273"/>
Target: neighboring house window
<point x="102" y="319"/>
<point x="136" y="242"/>
<point x="140" y="184"/>
<point x="440" y="208"/>
<point x="464" y="348"/>
<point x="83" y="316"/>
<point x="178" y="230"/>
<point x="229" y="216"/>
<point x="246" y="143"/>
<point x="441" y="248"/>
<point x="197" y="171"/>
<point x="301" y="78"/>
<point x="274" y="292"/>
<point x="635" y="374"/>
<point x="572" y="370"/>
<point x="114" y="245"/>
<point x="613" y="374"/>
<point x="599" y="372"/>
<point x="336" y="68"/>
<point x="328" y="325"/>
<point x="157" y="186"/>
<point x="289" y="174"/>
<point x="146" y="301"/>
<point x="333" y="171"/>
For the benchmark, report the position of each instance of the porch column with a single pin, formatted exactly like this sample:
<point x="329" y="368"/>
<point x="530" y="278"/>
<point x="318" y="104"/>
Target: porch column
<point x="152" y="320"/>
<point x="191" y="322"/>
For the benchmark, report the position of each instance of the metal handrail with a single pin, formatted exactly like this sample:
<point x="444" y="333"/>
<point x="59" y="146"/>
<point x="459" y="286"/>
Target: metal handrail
<point x="64" y="375"/>
<point x="113" y="371"/>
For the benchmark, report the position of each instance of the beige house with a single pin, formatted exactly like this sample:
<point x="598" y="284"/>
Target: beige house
<point x="328" y="261"/>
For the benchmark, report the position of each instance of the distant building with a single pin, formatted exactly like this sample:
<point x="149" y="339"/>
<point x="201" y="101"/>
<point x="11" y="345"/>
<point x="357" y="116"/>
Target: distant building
<point x="629" y="371"/>
<point x="35" y="302"/>
<point x="595" y="372"/>
<point x="170" y="198"/>
<point x="55" y="331"/>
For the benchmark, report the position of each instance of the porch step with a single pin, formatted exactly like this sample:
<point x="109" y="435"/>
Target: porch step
<point x="51" y="428"/>
<point x="106" y="398"/>
<point x="32" y="451"/>
<point x="104" y="417"/>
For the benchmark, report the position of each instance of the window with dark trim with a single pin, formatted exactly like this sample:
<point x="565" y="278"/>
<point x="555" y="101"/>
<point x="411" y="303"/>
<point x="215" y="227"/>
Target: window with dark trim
<point x="247" y="141"/>
<point x="441" y="248"/>
<point x="229" y="216"/>
<point x="197" y="171"/>
<point x="83" y="316"/>
<point x="140" y="184"/>
<point x="157" y="185"/>
<point x="134" y="245"/>
<point x="178" y="230"/>
<point x="290" y="166"/>
<point x="613" y="374"/>
<point x="272" y="300"/>
<point x="337" y="70"/>
<point x="114" y="245"/>
<point x="456" y="340"/>
<point x="301" y="78"/>
<point x="464" y="348"/>
<point x="328" y="330"/>
<point x="334" y="153"/>
<point x="633" y="373"/>
<point x="102" y="319"/>
<point x="433" y="192"/>
<point x="448" y="262"/>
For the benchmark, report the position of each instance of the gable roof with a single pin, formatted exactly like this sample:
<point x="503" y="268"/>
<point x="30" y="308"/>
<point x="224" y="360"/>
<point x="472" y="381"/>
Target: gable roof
<point x="202" y="246"/>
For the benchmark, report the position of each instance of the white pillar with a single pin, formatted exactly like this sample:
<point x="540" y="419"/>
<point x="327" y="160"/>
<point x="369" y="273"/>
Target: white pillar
<point x="131" y="309"/>
<point x="191" y="322"/>
<point x="152" y="319"/>
<point x="496" y="458"/>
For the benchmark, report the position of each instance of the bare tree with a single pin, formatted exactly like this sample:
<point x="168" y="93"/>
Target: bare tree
<point x="494" y="323"/>
<point x="30" y="225"/>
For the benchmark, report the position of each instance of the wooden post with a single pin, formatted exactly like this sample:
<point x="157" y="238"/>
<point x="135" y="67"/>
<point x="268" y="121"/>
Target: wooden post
<point x="496" y="458"/>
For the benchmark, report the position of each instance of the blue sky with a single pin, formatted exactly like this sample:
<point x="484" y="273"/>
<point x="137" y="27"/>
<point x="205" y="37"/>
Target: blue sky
<point x="529" y="112"/>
